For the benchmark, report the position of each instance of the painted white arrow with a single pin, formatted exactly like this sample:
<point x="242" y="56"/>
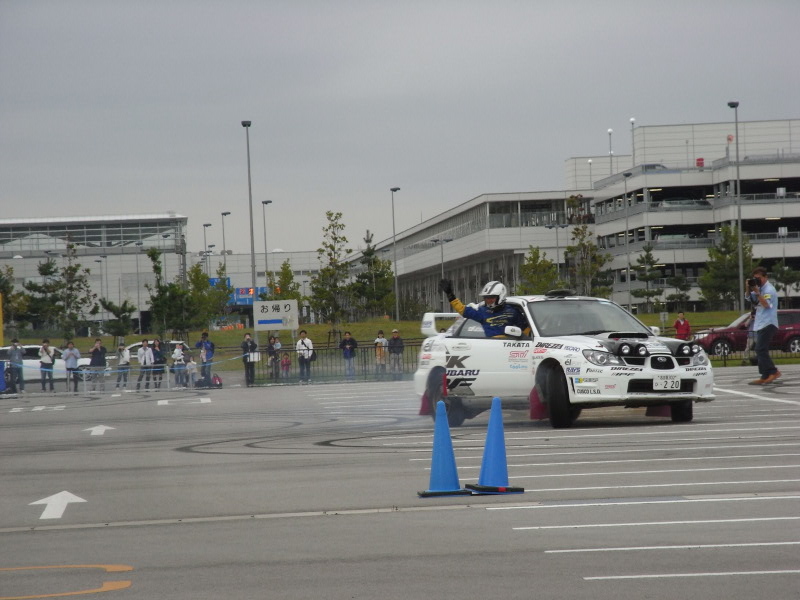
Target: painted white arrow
<point x="56" y="504"/>
<point x="99" y="429"/>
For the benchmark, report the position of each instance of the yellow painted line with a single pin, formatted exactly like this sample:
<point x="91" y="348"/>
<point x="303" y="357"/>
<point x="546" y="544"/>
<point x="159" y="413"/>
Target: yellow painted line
<point x="108" y="586"/>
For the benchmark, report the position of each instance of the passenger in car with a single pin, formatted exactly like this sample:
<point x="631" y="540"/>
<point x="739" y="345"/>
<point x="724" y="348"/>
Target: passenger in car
<point x="493" y="313"/>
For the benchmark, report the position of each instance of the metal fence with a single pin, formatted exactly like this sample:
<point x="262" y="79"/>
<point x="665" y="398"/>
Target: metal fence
<point x="330" y="366"/>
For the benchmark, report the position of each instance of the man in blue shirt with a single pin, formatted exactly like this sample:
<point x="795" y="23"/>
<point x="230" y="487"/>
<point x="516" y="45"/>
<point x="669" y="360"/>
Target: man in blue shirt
<point x="763" y="296"/>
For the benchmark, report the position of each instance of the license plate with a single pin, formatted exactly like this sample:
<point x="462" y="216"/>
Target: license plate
<point x="667" y="382"/>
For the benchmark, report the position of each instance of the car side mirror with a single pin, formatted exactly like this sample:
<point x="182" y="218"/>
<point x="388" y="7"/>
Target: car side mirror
<point x="655" y="330"/>
<point x="513" y="331"/>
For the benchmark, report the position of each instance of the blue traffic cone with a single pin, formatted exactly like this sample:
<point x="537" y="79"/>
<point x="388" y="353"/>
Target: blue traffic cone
<point x="444" y="476"/>
<point x="494" y="469"/>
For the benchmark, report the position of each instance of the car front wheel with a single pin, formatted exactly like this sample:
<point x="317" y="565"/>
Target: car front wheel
<point x="556" y="394"/>
<point x="721" y="347"/>
<point x="793" y="345"/>
<point x="682" y="412"/>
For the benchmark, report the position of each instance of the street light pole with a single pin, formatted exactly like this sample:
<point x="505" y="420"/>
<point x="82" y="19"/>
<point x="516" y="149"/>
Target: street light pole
<point x="633" y="145"/>
<point x="610" y="154"/>
<point x="627" y="252"/>
<point x="224" y="247"/>
<point x="394" y="246"/>
<point x="139" y="245"/>
<point x="442" y="242"/>
<point x="735" y="106"/>
<point x="266" y="260"/>
<point x="591" y="181"/>
<point x="205" y="247"/>
<point x="246" y="125"/>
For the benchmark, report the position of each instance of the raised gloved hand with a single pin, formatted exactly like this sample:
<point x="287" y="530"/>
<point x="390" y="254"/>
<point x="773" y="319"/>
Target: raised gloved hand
<point x="446" y="286"/>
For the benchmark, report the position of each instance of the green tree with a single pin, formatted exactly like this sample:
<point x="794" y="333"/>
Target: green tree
<point x="122" y="324"/>
<point x="586" y="259"/>
<point x="647" y="273"/>
<point x="372" y="290"/>
<point x="64" y="299"/>
<point x="329" y="292"/>
<point x="538" y="274"/>
<point x="283" y="288"/>
<point x="785" y="277"/>
<point x="719" y="284"/>
<point x="15" y="304"/>
<point x="681" y="295"/>
<point x="172" y="307"/>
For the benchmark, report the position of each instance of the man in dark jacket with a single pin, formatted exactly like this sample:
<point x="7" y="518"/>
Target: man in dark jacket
<point x="348" y="347"/>
<point x="248" y="347"/>
<point x="396" y="355"/>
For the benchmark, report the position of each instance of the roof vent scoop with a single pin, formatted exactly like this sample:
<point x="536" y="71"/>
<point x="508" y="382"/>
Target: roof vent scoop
<point x="560" y="293"/>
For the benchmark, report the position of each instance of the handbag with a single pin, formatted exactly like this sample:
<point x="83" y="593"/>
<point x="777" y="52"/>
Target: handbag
<point x="313" y="356"/>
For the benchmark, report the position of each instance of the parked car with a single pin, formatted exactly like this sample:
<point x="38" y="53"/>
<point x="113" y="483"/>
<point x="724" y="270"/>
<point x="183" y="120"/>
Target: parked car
<point x="581" y="353"/>
<point x="734" y="337"/>
<point x="30" y="363"/>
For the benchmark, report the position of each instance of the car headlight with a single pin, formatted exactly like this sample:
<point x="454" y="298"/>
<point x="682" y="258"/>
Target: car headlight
<point x="600" y="358"/>
<point x="700" y="359"/>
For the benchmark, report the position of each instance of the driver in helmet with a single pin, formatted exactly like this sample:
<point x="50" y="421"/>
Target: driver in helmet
<point x="493" y="313"/>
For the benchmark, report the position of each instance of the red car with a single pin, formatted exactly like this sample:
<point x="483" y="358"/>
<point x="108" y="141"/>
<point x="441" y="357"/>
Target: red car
<point x="734" y="337"/>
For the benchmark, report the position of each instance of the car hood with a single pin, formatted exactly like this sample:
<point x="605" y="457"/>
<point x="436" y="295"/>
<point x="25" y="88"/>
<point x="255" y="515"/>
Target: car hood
<point x="611" y="341"/>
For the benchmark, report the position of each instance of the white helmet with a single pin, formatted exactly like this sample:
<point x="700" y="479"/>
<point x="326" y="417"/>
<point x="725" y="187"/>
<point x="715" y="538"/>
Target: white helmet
<point x="497" y="289"/>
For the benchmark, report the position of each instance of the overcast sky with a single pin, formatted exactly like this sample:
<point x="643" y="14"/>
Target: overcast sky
<point x="112" y="107"/>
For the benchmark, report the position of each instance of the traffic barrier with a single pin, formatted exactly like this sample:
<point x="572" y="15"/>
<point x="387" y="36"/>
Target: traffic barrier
<point x="444" y="475"/>
<point x="494" y="468"/>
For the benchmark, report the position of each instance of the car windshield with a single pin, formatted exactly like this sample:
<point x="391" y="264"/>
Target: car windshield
<point x="582" y="317"/>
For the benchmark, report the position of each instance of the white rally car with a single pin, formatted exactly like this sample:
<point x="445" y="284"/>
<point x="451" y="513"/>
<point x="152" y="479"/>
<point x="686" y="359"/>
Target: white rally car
<point x="580" y="353"/>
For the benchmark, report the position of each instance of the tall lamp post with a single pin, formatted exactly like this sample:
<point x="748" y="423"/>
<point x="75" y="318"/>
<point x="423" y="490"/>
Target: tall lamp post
<point x="591" y="180"/>
<point x="101" y="283"/>
<point x="627" y="252"/>
<point x="205" y="247"/>
<point x="246" y="125"/>
<point x="138" y="245"/>
<point x="735" y="106"/>
<point x="224" y="247"/>
<point x="394" y="245"/>
<point x="266" y="260"/>
<point x="633" y="144"/>
<point x="442" y="242"/>
<point x="557" y="226"/>
<point x="610" y="154"/>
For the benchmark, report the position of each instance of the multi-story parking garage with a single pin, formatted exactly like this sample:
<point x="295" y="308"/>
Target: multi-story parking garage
<point x="680" y="191"/>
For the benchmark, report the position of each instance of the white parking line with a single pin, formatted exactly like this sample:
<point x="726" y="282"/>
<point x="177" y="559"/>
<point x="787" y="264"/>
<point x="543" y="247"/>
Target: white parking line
<point x="673" y="575"/>
<point x="639" y="460"/>
<point x="643" y="502"/>
<point x="650" y="472"/>
<point x="655" y="523"/>
<point x="757" y="396"/>
<point x="660" y="485"/>
<point x="683" y="547"/>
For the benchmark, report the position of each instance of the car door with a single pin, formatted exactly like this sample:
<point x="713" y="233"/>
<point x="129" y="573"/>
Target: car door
<point x="481" y="366"/>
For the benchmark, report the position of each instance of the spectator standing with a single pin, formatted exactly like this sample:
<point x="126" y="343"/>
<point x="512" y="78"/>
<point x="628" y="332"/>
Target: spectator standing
<point x="381" y="345"/>
<point x="348" y="347"/>
<point x="179" y="366"/>
<point x="273" y="360"/>
<point x="248" y="348"/>
<point x="123" y="365"/>
<point x="304" y="347"/>
<point x="16" y="356"/>
<point x="71" y="355"/>
<point x="683" y="331"/>
<point x="191" y="370"/>
<point x="159" y="362"/>
<point x="46" y="364"/>
<point x="286" y="365"/>
<point x="206" y="348"/>
<point x="396" y="355"/>
<point x="145" y="357"/>
<point x="97" y="363"/>
<point x="763" y="296"/>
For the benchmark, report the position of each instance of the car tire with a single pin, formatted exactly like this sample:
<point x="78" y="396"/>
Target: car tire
<point x="793" y="345"/>
<point x="721" y="347"/>
<point x="682" y="412"/>
<point x="562" y="413"/>
<point x="456" y="415"/>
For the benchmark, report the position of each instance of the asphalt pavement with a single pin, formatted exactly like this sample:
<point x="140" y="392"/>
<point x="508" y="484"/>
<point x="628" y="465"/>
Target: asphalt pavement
<point x="311" y="492"/>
